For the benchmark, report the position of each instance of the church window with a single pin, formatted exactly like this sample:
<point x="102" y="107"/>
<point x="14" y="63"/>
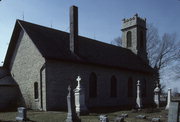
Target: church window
<point x="93" y="85"/>
<point x="141" y="39"/>
<point x="130" y="87"/>
<point x="36" y="95"/>
<point x="113" y="86"/>
<point x="143" y="88"/>
<point x="129" y="39"/>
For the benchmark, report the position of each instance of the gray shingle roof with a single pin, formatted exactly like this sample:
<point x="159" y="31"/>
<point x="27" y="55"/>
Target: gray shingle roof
<point x="54" y="44"/>
<point x="5" y="78"/>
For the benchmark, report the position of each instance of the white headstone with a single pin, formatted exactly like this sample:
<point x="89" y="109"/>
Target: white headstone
<point x="71" y="115"/>
<point x="21" y="114"/>
<point x="168" y="99"/>
<point x="81" y="108"/>
<point x="173" y="113"/>
<point x="103" y="118"/>
<point x="138" y="97"/>
<point x="157" y="95"/>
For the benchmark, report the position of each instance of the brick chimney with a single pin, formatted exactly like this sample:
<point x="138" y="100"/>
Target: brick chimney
<point x="73" y="29"/>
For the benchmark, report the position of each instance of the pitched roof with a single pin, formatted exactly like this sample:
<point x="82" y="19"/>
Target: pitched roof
<point x="54" y="44"/>
<point x="6" y="78"/>
<point x="3" y="72"/>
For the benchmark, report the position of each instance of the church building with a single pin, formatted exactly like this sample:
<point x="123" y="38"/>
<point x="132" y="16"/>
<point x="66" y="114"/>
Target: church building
<point x="44" y="61"/>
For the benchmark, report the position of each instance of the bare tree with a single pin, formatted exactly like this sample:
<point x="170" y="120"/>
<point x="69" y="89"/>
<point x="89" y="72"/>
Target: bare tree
<point x="117" y="41"/>
<point x="161" y="51"/>
<point x="152" y="40"/>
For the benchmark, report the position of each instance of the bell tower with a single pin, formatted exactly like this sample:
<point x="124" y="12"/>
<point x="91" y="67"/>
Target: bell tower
<point x="134" y="36"/>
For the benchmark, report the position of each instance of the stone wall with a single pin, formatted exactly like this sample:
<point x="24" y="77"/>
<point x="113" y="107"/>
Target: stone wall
<point x="25" y="68"/>
<point x="60" y="74"/>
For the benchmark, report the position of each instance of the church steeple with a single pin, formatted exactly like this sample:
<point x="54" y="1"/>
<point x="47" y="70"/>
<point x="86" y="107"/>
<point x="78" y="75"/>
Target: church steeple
<point x="134" y="36"/>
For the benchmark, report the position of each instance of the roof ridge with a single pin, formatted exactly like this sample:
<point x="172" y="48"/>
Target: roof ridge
<point x="98" y="41"/>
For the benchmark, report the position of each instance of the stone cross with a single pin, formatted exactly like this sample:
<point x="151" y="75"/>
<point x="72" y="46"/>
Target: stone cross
<point x="81" y="108"/>
<point x="138" y="97"/>
<point x="78" y="80"/>
<point x="173" y="113"/>
<point x="71" y="116"/>
<point x="21" y="114"/>
<point x="157" y="95"/>
<point x="168" y="99"/>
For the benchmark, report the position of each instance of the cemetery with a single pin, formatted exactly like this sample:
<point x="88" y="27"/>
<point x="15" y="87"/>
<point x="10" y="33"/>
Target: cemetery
<point x="75" y="113"/>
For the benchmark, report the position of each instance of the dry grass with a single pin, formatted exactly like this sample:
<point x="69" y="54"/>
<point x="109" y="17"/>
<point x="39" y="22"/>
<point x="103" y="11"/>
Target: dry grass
<point x="35" y="116"/>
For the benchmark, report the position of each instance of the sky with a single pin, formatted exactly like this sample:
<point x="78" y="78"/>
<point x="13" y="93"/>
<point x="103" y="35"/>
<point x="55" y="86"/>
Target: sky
<point x="98" y="19"/>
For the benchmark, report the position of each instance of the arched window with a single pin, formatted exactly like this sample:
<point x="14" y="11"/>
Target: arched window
<point x="141" y="40"/>
<point x="143" y="88"/>
<point x="113" y="86"/>
<point x="93" y="85"/>
<point x="130" y="87"/>
<point x="129" y="39"/>
<point x="36" y="94"/>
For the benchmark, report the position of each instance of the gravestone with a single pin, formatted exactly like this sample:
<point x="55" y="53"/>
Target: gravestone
<point x="155" y="120"/>
<point x="79" y="91"/>
<point x="123" y="115"/>
<point x="173" y="113"/>
<point x="103" y="118"/>
<point x="119" y="119"/>
<point x="21" y="114"/>
<point x="138" y="97"/>
<point x="141" y="116"/>
<point x="168" y="99"/>
<point x="71" y="116"/>
<point x="157" y="95"/>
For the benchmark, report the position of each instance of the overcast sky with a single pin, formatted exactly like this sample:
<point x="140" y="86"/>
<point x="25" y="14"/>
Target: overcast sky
<point x="98" y="19"/>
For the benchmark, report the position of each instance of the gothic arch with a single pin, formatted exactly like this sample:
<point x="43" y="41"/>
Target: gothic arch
<point x="93" y="85"/>
<point x="36" y="93"/>
<point x="113" y="86"/>
<point x="143" y="88"/>
<point x="130" y="87"/>
<point x="129" y="39"/>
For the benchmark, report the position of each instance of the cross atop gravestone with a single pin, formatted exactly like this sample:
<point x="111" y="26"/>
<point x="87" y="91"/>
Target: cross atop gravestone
<point x="79" y="91"/>
<point x="78" y="80"/>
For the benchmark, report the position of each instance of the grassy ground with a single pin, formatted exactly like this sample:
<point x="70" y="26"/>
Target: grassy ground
<point x="35" y="116"/>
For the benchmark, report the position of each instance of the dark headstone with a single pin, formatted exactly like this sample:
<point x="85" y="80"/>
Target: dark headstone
<point x="173" y="114"/>
<point x="141" y="116"/>
<point x="103" y="118"/>
<point x="21" y="114"/>
<point x="71" y="116"/>
<point x="119" y="119"/>
<point x="155" y="120"/>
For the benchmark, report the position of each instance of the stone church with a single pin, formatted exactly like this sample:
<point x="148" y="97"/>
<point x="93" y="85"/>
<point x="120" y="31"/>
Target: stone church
<point x="44" y="61"/>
